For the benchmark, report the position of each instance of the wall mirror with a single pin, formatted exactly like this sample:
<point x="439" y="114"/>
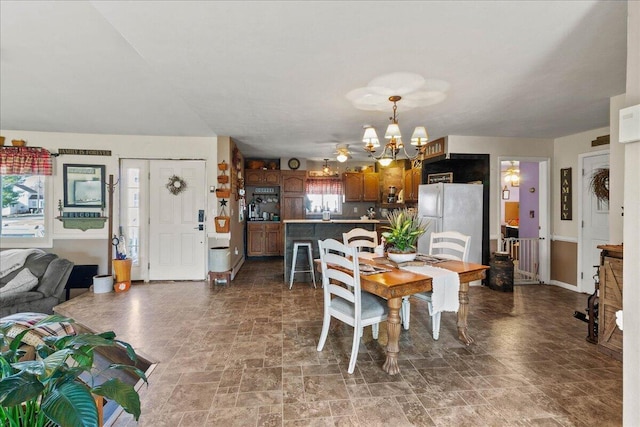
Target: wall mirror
<point x="84" y="186"/>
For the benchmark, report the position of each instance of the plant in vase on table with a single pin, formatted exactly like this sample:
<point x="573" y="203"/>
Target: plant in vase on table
<point x="404" y="229"/>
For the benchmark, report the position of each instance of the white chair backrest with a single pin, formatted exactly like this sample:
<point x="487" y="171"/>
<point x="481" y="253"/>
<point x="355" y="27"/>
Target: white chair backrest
<point x="360" y="238"/>
<point x="450" y="244"/>
<point x="332" y="254"/>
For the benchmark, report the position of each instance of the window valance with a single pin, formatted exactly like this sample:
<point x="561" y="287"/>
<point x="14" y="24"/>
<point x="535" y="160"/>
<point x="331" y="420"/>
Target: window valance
<point x="25" y="161"/>
<point x="324" y="186"/>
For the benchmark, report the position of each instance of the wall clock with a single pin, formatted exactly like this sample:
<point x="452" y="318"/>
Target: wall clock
<point x="294" y="163"/>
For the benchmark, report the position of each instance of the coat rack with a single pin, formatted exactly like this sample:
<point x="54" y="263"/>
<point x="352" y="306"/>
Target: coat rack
<point x="110" y="188"/>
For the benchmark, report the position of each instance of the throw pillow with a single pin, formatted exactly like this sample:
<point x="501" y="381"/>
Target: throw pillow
<point x="23" y="282"/>
<point x="22" y="321"/>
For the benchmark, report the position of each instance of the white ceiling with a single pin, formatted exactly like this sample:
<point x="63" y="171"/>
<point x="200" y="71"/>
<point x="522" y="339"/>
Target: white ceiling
<point x="275" y="75"/>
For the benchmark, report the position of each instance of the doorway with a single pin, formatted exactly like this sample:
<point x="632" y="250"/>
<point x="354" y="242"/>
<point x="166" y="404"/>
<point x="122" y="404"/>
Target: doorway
<point x="524" y="216"/>
<point x="594" y="220"/>
<point x="162" y="206"/>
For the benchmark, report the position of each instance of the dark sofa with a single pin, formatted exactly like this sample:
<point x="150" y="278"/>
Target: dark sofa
<point x="52" y="273"/>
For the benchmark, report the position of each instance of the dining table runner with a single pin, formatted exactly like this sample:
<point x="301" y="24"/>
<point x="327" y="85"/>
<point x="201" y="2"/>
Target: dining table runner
<point x="445" y="284"/>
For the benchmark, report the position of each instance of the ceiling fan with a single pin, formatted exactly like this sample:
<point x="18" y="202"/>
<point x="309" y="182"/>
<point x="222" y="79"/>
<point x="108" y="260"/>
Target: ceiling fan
<point x="342" y="152"/>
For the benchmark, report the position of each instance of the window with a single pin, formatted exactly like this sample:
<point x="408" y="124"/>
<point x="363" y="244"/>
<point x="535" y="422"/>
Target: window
<point x="24" y="219"/>
<point x="26" y="212"/>
<point x="324" y="194"/>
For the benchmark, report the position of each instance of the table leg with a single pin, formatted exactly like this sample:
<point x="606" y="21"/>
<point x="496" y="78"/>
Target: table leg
<point x="463" y="312"/>
<point x="393" y="333"/>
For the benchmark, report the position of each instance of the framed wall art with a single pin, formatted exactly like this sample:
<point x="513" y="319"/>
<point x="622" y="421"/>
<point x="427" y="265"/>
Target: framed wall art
<point x="84" y="186"/>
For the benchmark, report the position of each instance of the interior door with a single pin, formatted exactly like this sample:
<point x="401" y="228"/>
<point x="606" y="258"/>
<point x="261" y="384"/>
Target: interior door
<point x="595" y="223"/>
<point x="176" y="224"/>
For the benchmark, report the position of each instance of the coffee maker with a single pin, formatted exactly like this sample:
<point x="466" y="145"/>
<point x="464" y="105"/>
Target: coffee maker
<point x="392" y="196"/>
<point x="253" y="211"/>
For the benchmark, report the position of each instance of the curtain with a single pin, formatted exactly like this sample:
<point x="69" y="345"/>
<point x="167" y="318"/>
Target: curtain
<point x="25" y="161"/>
<point x="324" y="186"/>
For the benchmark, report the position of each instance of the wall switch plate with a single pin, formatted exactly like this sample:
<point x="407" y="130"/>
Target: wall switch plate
<point x="355" y="210"/>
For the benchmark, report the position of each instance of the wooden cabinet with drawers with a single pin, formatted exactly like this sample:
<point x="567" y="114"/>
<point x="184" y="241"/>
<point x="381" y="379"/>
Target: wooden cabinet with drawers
<point x="361" y="187"/>
<point x="261" y="177"/>
<point x="264" y="239"/>
<point x="610" y="300"/>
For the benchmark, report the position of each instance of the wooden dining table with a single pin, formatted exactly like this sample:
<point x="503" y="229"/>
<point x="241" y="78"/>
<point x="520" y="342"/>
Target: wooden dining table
<point x="397" y="283"/>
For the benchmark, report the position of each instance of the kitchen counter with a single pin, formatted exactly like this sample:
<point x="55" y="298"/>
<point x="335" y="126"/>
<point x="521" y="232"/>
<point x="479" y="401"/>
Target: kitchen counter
<point x="332" y="221"/>
<point x="314" y="230"/>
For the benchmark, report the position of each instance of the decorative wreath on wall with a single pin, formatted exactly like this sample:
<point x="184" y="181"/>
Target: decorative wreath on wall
<point x="176" y="185"/>
<point x="600" y="184"/>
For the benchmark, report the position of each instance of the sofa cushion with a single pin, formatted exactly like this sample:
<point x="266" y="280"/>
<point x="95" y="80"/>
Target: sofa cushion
<point x="37" y="263"/>
<point x="23" y="282"/>
<point x="21" y="298"/>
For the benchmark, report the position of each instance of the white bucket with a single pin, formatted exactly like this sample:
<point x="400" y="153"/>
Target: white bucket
<point x="219" y="259"/>
<point x="102" y="284"/>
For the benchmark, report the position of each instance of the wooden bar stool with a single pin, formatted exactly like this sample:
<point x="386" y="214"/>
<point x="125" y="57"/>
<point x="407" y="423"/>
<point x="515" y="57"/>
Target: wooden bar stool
<point x="297" y="245"/>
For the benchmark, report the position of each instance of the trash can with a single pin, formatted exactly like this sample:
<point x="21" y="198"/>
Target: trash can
<point x="219" y="259"/>
<point x="501" y="272"/>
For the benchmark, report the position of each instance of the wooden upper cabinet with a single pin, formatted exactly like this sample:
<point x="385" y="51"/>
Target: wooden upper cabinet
<point x="261" y="177"/>
<point x="360" y="187"/>
<point x="371" y="187"/>
<point x="353" y="182"/>
<point x="294" y="181"/>
<point x="412" y="179"/>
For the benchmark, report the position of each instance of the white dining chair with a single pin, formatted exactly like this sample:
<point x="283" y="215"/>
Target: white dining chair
<point x="343" y="298"/>
<point x="447" y="244"/>
<point x="360" y="238"/>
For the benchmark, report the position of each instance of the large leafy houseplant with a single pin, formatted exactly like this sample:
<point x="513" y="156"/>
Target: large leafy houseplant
<point x="404" y="229"/>
<point x="48" y="391"/>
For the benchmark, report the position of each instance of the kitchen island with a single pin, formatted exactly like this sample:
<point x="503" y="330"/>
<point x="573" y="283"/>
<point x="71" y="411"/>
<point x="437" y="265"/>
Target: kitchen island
<point x="314" y="230"/>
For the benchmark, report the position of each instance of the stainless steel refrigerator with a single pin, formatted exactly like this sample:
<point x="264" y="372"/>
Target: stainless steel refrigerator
<point x="452" y="207"/>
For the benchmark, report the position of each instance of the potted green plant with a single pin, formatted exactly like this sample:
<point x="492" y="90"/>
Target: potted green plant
<point x="48" y="391"/>
<point x="404" y="229"/>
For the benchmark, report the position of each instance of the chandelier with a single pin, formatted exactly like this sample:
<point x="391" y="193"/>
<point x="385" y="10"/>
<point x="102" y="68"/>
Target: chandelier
<point x="395" y="144"/>
<point x="512" y="175"/>
<point x="325" y="168"/>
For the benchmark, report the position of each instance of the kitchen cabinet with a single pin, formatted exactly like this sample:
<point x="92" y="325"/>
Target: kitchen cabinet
<point x="261" y="177"/>
<point x="264" y="239"/>
<point x="361" y="187"/>
<point x="292" y="206"/>
<point x="293" y="194"/>
<point x="610" y="300"/>
<point x="294" y="181"/>
<point x="412" y="179"/>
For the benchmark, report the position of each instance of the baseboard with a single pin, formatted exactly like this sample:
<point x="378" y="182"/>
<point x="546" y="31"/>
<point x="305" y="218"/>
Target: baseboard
<point x="564" y="285"/>
<point x="236" y="268"/>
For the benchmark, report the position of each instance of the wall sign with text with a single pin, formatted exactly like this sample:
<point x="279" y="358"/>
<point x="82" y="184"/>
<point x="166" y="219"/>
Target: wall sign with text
<point x="566" y="211"/>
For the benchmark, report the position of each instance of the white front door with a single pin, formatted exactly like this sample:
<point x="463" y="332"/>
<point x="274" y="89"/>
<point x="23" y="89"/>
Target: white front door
<point x="176" y="232"/>
<point x="150" y="215"/>
<point x="595" y="223"/>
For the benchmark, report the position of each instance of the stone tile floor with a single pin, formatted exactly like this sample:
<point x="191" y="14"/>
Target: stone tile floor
<point x="245" y="355"/>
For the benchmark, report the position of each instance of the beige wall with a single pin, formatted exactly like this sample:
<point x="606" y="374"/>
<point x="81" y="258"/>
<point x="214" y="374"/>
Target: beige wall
<point x="631" y="236"/>
<point x="564" y="267"/>
<point x="565" y="155"/>
<point x="93" y="247"/>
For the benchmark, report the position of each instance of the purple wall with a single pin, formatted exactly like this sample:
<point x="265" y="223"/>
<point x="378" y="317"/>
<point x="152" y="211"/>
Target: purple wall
<point x="529" y="227"/>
